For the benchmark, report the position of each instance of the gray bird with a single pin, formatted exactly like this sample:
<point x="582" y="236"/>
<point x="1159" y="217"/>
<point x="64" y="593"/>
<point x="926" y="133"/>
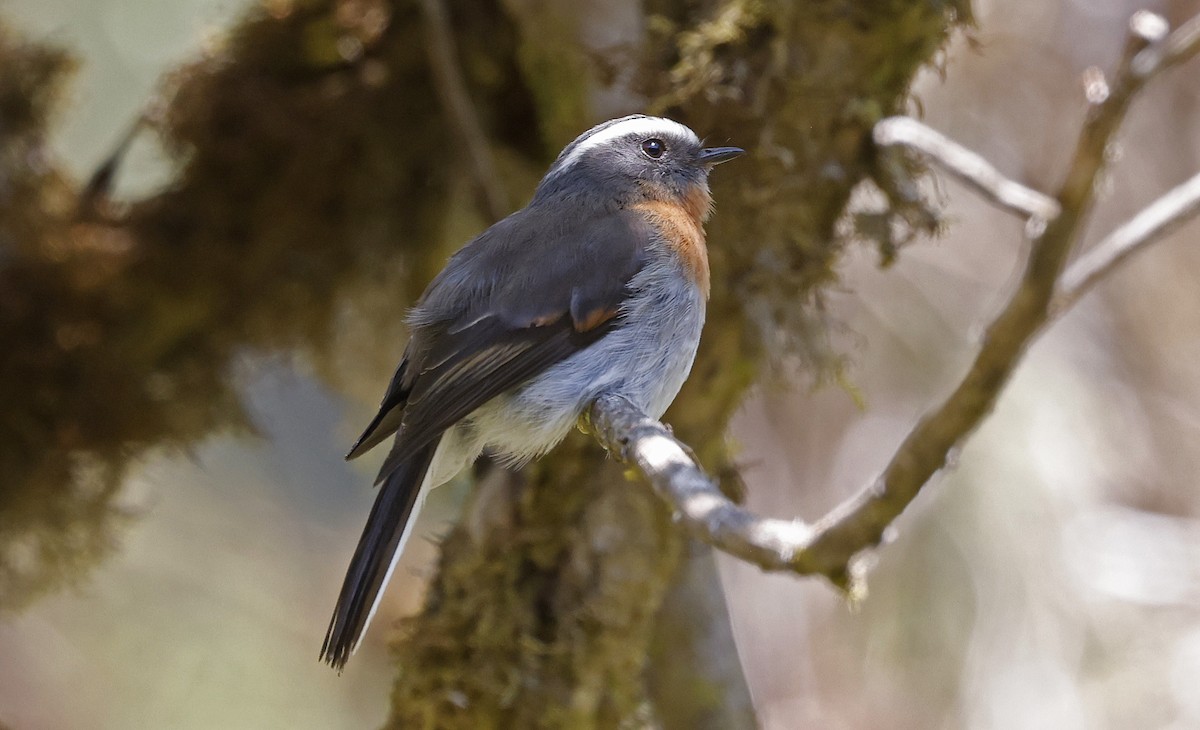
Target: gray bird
<point x="598" y="285"/>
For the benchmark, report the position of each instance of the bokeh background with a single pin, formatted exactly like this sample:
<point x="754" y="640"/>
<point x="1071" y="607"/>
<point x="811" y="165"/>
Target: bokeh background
<point x="1049" y="579"/>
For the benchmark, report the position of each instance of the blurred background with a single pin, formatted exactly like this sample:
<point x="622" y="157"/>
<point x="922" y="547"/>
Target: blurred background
<point x="1049" y="579"/>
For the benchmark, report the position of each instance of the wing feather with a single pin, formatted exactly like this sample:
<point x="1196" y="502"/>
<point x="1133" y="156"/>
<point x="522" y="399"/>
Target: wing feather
<point x="507" y="306"/>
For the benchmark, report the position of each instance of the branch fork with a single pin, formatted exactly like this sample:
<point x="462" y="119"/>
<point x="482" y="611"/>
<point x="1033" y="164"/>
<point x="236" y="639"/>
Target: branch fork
<point x="1048" y="287"/>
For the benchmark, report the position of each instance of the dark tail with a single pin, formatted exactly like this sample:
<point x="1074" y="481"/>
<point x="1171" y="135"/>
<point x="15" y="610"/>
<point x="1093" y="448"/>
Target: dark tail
<point x="381" y="541"/>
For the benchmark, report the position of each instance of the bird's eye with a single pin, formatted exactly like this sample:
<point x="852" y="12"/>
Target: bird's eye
<point x="654" y="148"/>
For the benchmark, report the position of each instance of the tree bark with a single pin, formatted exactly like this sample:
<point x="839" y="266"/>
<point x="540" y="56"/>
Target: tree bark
<point x="548" y="622"/>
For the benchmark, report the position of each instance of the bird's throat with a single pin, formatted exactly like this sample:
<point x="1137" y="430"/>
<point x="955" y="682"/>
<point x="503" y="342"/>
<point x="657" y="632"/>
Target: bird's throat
<point x="682" y="227"/>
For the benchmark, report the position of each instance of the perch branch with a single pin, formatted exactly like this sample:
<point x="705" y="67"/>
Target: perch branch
<point x="457" y="105"/>
<point x="966" y="165"/>
<point x="669" y="465"/>
<point x="828" y="547"/>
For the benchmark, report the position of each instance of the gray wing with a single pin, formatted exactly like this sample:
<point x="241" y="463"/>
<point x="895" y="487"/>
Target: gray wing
<point x="509" y="305"/>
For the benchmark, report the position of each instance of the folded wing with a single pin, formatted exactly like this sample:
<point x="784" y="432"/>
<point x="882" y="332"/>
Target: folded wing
<point x="509" y="305"/>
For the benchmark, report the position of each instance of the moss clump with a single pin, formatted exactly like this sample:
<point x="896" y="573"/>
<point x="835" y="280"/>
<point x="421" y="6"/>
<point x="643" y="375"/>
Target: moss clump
<point x="312" y="157"/>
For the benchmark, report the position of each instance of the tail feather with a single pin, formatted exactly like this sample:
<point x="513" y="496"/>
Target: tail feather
<point x="387" y="529"/>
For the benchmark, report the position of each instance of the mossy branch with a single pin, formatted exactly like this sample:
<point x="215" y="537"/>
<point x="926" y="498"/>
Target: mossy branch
<point x="828" y="546"/>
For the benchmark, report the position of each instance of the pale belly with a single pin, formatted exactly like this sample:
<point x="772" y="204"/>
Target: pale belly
<point x="646" y="360"/>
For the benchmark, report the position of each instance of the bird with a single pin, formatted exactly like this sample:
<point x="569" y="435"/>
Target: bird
<point x="598" y="285"/>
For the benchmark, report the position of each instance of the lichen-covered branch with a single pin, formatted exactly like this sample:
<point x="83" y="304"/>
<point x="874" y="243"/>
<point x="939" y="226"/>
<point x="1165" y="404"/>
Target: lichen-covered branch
<point x="698" y="503"/>
<point x="828" y="546"/>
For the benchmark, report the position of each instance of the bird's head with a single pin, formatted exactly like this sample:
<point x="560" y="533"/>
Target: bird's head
<point x="632" y="159"/>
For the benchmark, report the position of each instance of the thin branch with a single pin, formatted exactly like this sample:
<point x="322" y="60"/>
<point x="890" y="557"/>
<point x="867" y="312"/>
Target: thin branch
<point x="1154" y="222"/>
<point x="1166" y="213"/>
<point x="456" y="103"/>
<point x="828" y="547"/>
<point x="1181" y="46"/>
<point x="965" y="165"/>
<point x="93" y="198"/>
<point x="861" y="522"/>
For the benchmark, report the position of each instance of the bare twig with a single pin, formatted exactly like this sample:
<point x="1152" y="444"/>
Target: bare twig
<point x="829" y="546"/>
<point x="861" y="521"/>
<point x="1154" y="222"/>
<point x="1181" y="46"/>
<point x="456" y="103"/>
<point x="965" y="165"/>
<point x="1166" y="213"/>
<point x="99" y="185"/>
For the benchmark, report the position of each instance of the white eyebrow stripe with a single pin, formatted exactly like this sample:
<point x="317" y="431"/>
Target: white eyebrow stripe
<point x="641" y="126"/>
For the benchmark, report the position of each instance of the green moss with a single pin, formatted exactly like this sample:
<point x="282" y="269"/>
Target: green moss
<point x="530" y="622"/>
<point x="302" y="176"/>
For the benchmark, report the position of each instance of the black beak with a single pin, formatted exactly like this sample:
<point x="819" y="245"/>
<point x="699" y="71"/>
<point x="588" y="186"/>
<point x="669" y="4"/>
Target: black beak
<point x="715" y="155"/>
